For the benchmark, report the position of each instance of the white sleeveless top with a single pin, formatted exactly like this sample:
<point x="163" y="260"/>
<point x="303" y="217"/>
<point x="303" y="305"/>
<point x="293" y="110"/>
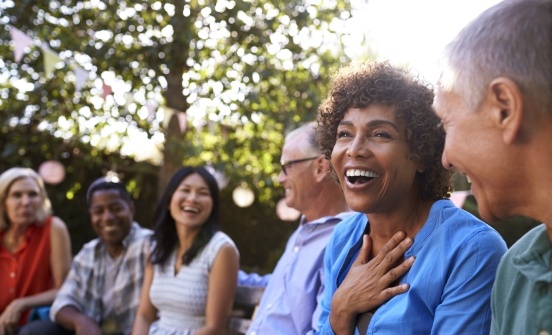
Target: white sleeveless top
<point x="181" y="298"/>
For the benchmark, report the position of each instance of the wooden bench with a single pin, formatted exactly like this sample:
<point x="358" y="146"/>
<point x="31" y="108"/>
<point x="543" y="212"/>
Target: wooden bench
<point x="246" y="300"/>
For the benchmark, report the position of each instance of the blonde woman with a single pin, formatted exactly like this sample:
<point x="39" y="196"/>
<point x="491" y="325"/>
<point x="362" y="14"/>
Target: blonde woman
<point x="35" y="249"/>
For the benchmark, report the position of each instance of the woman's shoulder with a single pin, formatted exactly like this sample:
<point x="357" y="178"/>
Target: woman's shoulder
<point x="59" y="237"/>
<point x="448" y="215"/>
<point x="52" y="228"/>
<point x="220" y="236"/>
<point x="57" y="225"/>
<point x="218" y="241"/>
<point x="464" y="227"/>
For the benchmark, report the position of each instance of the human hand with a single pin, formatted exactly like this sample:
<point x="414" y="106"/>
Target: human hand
<point x="10" y="317"/>
<point x="4" y="331"/>
<point x="87" y="326"/>
<point x="368" y="282"/>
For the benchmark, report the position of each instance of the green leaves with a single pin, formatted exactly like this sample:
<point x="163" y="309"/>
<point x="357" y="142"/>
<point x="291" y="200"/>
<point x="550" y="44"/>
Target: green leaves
<point x="243" y="71"/>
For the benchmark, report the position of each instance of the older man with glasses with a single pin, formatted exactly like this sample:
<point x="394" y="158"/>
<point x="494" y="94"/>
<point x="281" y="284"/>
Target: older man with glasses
<point x="290" y="302"/>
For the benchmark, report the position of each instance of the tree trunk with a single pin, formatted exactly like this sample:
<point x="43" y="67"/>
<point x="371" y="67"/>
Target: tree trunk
<point x="176" y="53"/>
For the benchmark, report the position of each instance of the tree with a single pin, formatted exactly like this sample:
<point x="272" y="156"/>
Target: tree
<point x="243" y="72"/>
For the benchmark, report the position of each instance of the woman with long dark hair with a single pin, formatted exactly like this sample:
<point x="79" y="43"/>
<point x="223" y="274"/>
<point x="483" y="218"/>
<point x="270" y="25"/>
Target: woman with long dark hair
<point x="190" y="278"/>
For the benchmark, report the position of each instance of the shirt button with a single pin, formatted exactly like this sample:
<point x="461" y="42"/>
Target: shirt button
<point x="12" y="274"/>
<point x="296" y="249"/>
<point x="11" y="290"/>
<point x="543" y="332"/>
<point x="268" y="306"/>
<point x="253" y="333"/>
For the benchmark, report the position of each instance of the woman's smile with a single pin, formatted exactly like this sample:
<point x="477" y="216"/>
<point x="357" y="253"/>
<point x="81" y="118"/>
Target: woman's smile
<point x="359" y="177"/>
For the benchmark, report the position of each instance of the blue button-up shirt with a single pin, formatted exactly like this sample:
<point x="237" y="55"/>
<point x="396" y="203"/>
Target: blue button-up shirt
<point x="290" y="303"/>
<point x="450" y="280"/>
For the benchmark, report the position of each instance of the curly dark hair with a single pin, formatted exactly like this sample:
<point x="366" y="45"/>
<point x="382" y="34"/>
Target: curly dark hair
<point x="360" y="85"/>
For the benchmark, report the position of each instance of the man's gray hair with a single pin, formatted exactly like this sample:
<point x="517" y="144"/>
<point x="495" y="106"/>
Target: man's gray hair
<point x="512" y="39"/>
<point x="310" y="130"/>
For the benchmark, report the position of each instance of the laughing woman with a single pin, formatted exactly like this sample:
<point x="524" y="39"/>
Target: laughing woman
<point x="190" y="279"/>
<point x="410" y="262"/>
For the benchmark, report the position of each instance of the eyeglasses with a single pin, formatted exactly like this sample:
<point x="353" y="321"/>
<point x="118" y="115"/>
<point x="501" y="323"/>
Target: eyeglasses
<point x="288" y="163"/>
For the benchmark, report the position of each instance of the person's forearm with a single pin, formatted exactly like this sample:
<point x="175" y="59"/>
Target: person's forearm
<point x="70" y="318"/>
<point x="209" y="330"/>
<point x="41" y="299"/>
<point x="141" y="326"/>
<point x="253" y="279"/>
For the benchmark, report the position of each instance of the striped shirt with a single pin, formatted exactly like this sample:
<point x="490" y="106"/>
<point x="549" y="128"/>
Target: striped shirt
<point x="84" y="286"/>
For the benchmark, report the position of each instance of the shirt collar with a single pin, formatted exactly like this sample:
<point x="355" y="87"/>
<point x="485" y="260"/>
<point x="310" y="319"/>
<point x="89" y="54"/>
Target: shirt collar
<point x="534" y="262"/>
<point x="133" y="229"/>
<point x="325" y="219"/>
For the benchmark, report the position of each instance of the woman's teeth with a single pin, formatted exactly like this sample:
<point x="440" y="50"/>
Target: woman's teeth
<point x="190" y="209"/>
<point x="361" y="173"/>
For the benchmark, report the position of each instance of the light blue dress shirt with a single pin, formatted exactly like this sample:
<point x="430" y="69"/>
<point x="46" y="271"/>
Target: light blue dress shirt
<point x="290" y="303"/>
<point x="450" y="280"/>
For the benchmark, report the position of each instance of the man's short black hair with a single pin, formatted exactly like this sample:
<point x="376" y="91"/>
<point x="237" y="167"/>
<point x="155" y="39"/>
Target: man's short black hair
<point x="107" y="183"/>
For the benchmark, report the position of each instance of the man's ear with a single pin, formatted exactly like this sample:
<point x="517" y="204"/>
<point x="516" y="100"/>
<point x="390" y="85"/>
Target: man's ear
<point x="506" y="102"/>
<point x="322" y="167"/>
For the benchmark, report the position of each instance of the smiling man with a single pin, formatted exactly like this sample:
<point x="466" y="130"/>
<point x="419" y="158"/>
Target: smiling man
<point x="290" y="303"/>
<point x="495" y="102"/>
<point x="101" y="292"/>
